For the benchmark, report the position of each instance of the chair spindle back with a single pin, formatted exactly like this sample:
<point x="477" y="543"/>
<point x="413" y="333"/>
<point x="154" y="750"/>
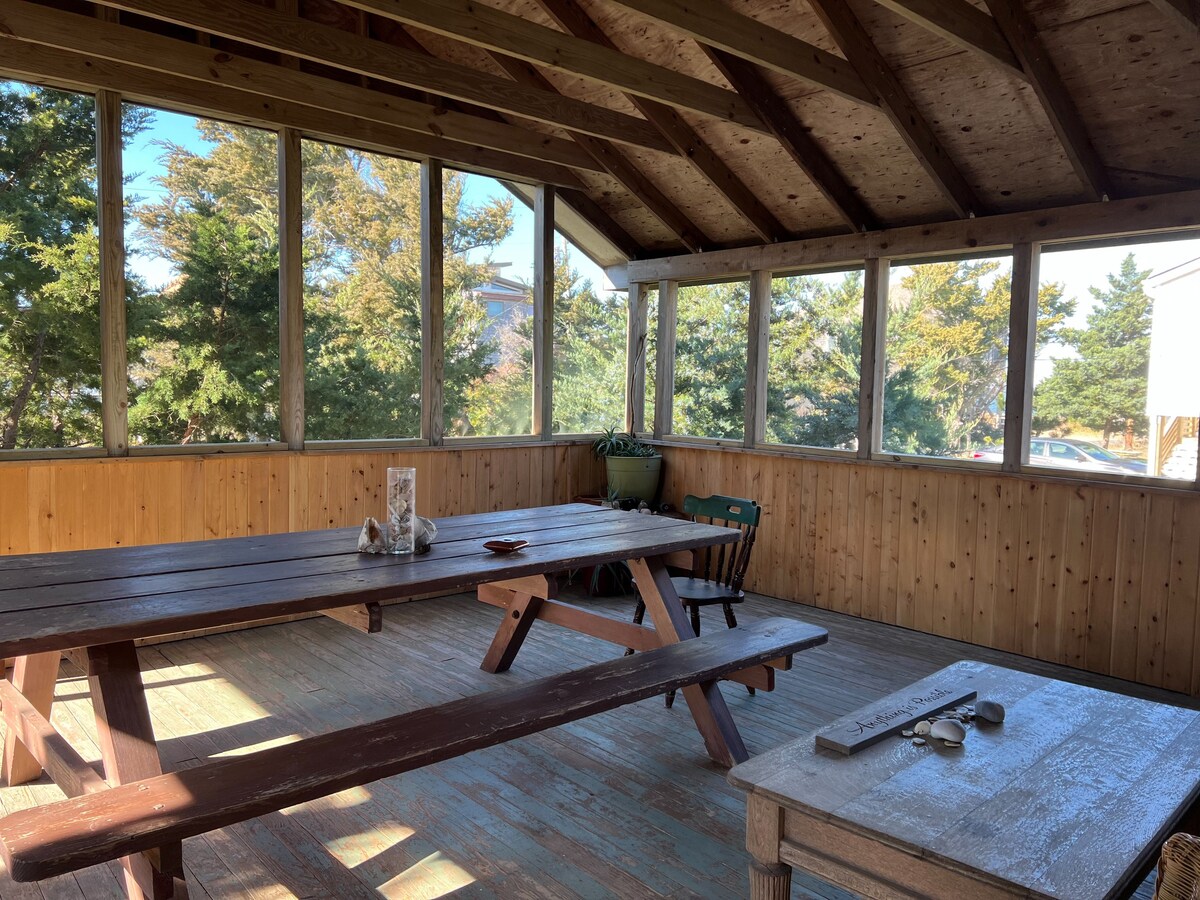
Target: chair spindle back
<point x="727" y="563"/>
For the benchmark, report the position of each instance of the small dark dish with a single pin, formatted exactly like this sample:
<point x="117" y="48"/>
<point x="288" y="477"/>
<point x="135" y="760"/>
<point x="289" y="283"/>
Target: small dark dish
<point x="506" y="545"/>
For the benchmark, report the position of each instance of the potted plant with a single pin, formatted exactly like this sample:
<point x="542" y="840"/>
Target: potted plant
<point x="633" y="466"/>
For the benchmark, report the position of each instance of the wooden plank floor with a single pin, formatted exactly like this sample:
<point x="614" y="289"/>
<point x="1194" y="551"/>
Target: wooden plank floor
<point x="625" y="804"/>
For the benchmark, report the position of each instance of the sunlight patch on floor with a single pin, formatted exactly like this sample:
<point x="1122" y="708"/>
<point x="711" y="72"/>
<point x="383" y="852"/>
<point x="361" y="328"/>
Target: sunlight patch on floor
<point x="435" y="876"/>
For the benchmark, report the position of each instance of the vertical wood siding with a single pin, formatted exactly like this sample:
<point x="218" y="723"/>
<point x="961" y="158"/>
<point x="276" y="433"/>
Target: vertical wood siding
<point x="1103" y="578"/>
<point x="82" y="504"/>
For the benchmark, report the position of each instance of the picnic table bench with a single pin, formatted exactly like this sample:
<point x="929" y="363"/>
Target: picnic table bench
<point x="95" y="604"/>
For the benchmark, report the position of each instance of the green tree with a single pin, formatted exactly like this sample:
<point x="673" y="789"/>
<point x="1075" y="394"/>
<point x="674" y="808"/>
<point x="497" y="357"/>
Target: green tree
<point x="49" y="268"/>
<point x="589" y="352"/>
<point x="710" y="360"/>
<point x="813" y="382"/>
<point x="1104" y="386"/>
<point x="206" y="347"/>
<point x="948" y="325"/>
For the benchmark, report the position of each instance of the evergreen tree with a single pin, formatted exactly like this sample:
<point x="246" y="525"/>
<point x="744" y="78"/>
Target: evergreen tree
<point x="49" y="268"/>
<point x="1104" y="386"/>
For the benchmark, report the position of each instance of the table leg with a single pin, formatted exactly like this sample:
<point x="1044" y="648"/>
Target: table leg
<point x="129" y="752"/>
<point x="519" y="617"/>
<point x="34" y="676"/>
<point x="704" y="701"/>
<point x="770" y="879"/>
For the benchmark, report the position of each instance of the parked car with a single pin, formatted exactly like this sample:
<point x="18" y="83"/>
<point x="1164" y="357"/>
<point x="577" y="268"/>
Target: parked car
<point x="1069" y="453"/>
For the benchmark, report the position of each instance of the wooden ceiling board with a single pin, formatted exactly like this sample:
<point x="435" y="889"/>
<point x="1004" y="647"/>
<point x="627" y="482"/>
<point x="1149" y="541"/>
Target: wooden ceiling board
<point x="995" y="129"/>
<point x="765" y="167"/>
<point x="631" y="215"/>
<point x="1136" y="79"/>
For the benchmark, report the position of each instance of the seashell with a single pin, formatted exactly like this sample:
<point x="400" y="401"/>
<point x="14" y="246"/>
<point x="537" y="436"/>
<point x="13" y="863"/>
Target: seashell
<point x="922" y="727"/>
<point x="371" y="539"/>
<point x="990" y="711"/>
<point x="948" y="730"/>
<point x="951" y="744"/>
<point x="906" y="733"/>
<point x="918" y="742"/>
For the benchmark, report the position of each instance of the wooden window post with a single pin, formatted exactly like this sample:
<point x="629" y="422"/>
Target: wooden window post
<point x="291" y="291"/>
<point x="114" y="379"/>
<point x="433" y="312"/>
<point x="1022" y="335"/>
<point x="758" y="336"/>
<point x="873" y="364"/>
<point x="543" y="312"/>
<point x="635" y="358"/>
<point x="664" y="382"/>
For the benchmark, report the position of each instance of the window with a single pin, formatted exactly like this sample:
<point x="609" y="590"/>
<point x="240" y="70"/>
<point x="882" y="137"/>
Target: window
<point x="202" y="249"/>
<point x="49" y="270"/>
<point x="1115" y="386"/>
<point x="813" y="359"/>
<point x="489" y="243"/>
<point x="946" y="357"/>
<point x="362" y="294"/>
<point x="589" y="345"/>
<point x="710" y="360"/>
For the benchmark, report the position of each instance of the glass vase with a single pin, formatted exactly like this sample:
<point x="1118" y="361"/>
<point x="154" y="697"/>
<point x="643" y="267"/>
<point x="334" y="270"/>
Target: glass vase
<point x="401" y="509"/>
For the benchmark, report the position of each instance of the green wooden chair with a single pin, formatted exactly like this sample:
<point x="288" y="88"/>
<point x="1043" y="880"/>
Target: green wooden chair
<point x="724" y="568"/>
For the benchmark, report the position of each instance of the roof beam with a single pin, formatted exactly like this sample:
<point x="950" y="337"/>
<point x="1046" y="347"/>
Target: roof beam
<point x="283" y="33"/>
<point x="750" y="82"/>
<point x="618" y="165"/>
<point x="84" y="34"/>
<point x="962" y="25"/>
<point x="719" y="26"/>
<point x="1159" y="213"/>
<point x="1186" y="12"/>
<point x="1064" y="116"/>
<point x="574" y="200"/>
<point x="570" y="16"/>
<point x="502" y="32"/>
<point x="77" y="71"/>
<point x="849" y="34"/>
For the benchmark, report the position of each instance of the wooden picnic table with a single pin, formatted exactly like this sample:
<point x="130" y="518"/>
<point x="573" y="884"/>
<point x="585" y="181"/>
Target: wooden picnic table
<point x="95" y="604"/>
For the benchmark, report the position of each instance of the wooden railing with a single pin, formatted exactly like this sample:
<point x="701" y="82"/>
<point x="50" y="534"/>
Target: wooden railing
<point x="1169" y="437"/>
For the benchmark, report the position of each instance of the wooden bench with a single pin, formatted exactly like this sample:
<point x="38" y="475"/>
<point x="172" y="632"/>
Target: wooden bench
<point x="105" y="823"/>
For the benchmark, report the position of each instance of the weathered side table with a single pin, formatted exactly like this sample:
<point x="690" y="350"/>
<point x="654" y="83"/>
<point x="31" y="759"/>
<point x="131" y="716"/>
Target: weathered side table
<point x="1071" y="797"/>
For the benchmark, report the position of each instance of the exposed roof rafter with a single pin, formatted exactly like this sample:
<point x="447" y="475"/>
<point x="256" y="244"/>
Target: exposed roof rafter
<point x="495" y="30"/>
<point x="715" y="24"/>
<point x="569" y="15"/>
<point x="961" y="24"/>
<point x="573" y="199"/>
<point x="83" y="34"/>
<point x="617" y="164"/>
<point x="849" y="34"/>
<point x="283" y="33"/>
<point x="81" y="72"/>
<point x="750" y="82"/>
<point x="1064" y="116"/>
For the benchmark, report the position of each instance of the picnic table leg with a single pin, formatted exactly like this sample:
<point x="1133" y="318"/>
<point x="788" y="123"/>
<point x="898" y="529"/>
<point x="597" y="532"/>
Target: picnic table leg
<point x="518" y="619"/>
<point x="770" y="878"/>
<point x="129" y="752"/>
<point x="704" y="701"/>
<point x="34" y="676"/>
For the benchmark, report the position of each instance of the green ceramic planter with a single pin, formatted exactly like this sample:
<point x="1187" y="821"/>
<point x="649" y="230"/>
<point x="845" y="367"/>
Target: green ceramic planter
<point x="632" y="476"/>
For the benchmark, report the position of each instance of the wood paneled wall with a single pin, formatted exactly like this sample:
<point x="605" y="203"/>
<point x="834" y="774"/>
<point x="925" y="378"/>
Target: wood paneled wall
<point x="79" y="504"/>
<point x="1103" y="578"/>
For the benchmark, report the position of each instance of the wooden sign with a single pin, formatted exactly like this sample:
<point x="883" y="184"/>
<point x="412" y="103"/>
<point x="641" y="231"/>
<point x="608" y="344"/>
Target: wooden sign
<point x="890" y="715"/>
